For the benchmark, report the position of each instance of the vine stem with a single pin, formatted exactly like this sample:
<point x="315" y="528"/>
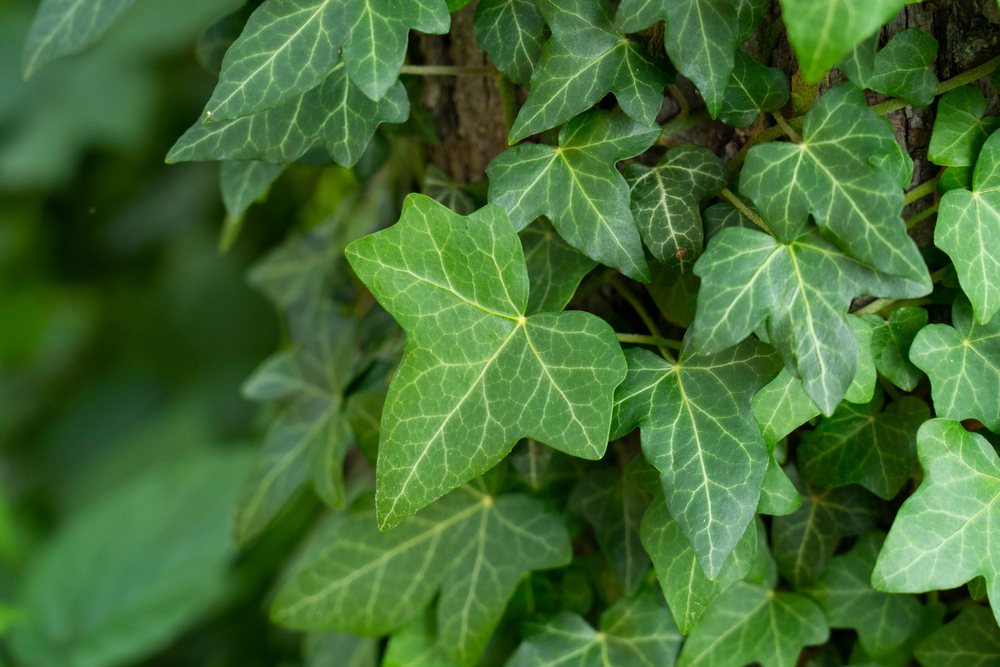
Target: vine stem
<point x="682" y="102"/>
<point x="450" y="70"/>
<point x="744" y="209"/>
<point x="637" y="306"/>
<point x="649" y="340"/>
<point x="922" y="190"/>
<point x="783" y="124"/>
<point x="927" y="212"/>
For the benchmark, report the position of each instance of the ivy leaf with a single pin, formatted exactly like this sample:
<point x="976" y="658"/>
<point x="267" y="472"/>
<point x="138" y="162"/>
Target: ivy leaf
<point x="288" y="48"/>
<point x="687" y="589"/>
<point x="698" y="431"/>
<point x="578" y="188"/>
<point x="416" y="645"/>
<point x="960" y="130"/>
<point x="335" y="112"/>
<point x="439" y="187"/>
<point x="804" y="542"/>
<point x="512" y="33"/>
<point x="822" y="31"/>
<point x="968" y="229"/>
<point x="244" y="182"/>
<point x="674" y="293"/>
<point x="472" y="546"/>
<point x="861" y="444"/>
<point x="325" y="649"/>
<point x="634" y="631"/>
<point x="555" y="268"/>
<point x="859" y="63"/>
<point x="364" y="415"/>
<point x="753" y="89"/>
<point x="615" y="509"/>
<point x="783" y="405"/>
<point x="700" y="38"/>
<point x="844" y="591"/>
<point x="62" y="27"/>
<point x="586" y="58"/>
<point x="459" y="288"/>
<point x="801" y="290"/>
<point x="901" y="68"/>
<point x="829" y="176"/>
<point x="665" y="202"/>
<point x="963" y="363"/>
<point x="971" y="640"/>
<point x="891" y="341"/>
<point x="748" y="16"/>
<point x="778" y="495"/>
<point x="720" y="216"/>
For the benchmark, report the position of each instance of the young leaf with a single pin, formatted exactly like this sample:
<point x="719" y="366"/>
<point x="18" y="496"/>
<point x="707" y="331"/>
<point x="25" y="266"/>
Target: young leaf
<point x="891" y="341"/>
<point x="335" y="112"/>
<point x="960" y="130"/>
<point x="963" y="363"/>
<point x="829" y="176"/>
<point x="700" y="39"/>
<point x="243" y="183"/>
<point x="901" y="68"/>
<point x="753" y="89"/>
<point x="804" y="542"/>
<point x="822" y="31"/>
<point x="578" y="188"/>
<point x="674" y="293"/>
<point x="697" y="429"/>
<point x="971" y="640"/>
<point x="778" y="495"/>
<point x="801" y="290"/>
<point x="290" y="47"/>
<point x="844" y="591"/>
<point x="473" y="546"/>
<point x="634" y="631"/>
<point x="555" y="268"/>
<point x="665" y="202"/>
<point x="968" y="229"/>
<point x="860" y="444"/>
<point x="477" y="376"/>
<point x="686" y="587"/>
<point x="585" y="59"/>
<point x="512" y="32"/>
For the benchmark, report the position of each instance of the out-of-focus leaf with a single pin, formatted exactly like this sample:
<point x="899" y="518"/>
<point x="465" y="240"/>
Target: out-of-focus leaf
<point x="555" y="268"/>
<point x="970" y="640"/>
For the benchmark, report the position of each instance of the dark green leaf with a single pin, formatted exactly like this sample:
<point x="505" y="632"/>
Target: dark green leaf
<point x="752" y="89"/>
<point x="859" y="63"/>
<point x="891" y="341"/>
<point x="512" y="32"/>
<point x="555" y="268"/>
<point x="675" y="294"/>
<point x="901" y="68"/>
<point x="960" y="130"/>
<point x="416" y="645"/>
<point x="748" y="16"/>
<point x="243" y="183"/>
<point x="971" y="640"/>
<point x="337" y="649"/>
<point x="364" y="415"/>
<point x="442" y="189"/>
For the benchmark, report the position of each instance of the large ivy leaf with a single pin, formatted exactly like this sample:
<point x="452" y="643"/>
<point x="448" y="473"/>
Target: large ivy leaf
<point x="700" y="38"/>
<point x="472" y="546"/>
<point x="698" y="431"/>
<point x="823" y="31"/>
<point x="963" y="363"/>
<point x="829" y="175"/>
<point x="800" y="289"/>
<point x="901" y="68"/>
<point x="686" y="587"/>
<point x="960" y="130"/>
<point x="753" y="89"/>
<point x="555" y="268"/>
<point x="862" y="444"/>
<point x="968" y="229"/>
<point x="244" y="182"/>
<point x="971" y="640"/>
<point x="941" y="537"/>
<point x="512" y="32"/>
<point x="477" y="375"/>
<point x="335" y="112"/>
<point x="578" y="187"/>
<point x="891" y="341"/>
<point x="585" y="59"/>
<point x="804" y="541"/>
<point x="844" y="592"/>
<point x="290" y="47"/>
<point x="665" y="202"/>
<point x="634" y="631"/>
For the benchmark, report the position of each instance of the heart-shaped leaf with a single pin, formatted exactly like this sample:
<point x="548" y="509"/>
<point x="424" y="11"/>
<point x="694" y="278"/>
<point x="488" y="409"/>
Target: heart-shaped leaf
<point x="512" y="32"/>
<point x="960" y="129"/>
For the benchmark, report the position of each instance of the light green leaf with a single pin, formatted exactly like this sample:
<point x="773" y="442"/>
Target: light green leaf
<point x="439" y="187"/>
<point x="968" y="229"/>
<point x="960" y="130"/>
<point x="615" y="509"/>
<point x="334" y="112"/>
<point x="288" y="48"/>
<point x="804" y="542"/>
<point x="823" y="31"/>
<point x="800" y="290"/>
<point x="584" y="60"/>
<point x="698" y="431"/>
<point x="578" y="188"/>
<point x="895" y="161"/>
<point x="687" y="589"/>
<point x="844" y="592"/>
<point x="971" y="640"/>
<point x="477" y="376"/>
<point x="778" y="495"/>
<point x="337" y="649"/>
<point x="665" y="202"/>
<point x="416" y="645"/>
<point x="555" y="268"/>
<point x="634" y="632"/>
<point x="955" y="177"/>
<point x="512" y="32"/>
<point x="901" y="68"/>
<point x="753" y="89"/>
<point x="859" y="63"/>
<point x="700" y="38"/>
<point x="963" y="363"/>
<point x="891" y="341"/>
<point x="472" y="546"/>
<point x="861" y="444"/>
<point x="243" y="183"/>
<point x="829" y="176"/>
